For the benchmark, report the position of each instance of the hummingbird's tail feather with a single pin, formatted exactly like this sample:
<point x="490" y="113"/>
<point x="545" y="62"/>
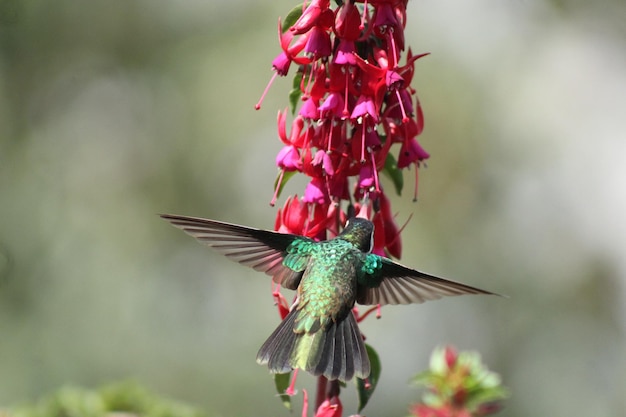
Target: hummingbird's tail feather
<point x="276" y="351"/>
<point x="337" y="352"/>
<point x="343" y="353"/>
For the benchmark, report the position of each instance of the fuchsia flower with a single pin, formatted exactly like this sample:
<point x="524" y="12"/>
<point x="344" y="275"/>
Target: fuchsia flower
<point x="315" y="192"/>
<point x="281" y="64"/>
<point x="310" y="109"/>
<point x="348" y="23"/>
<point x="365" y="106"/>
<point x="357" y="102"/>
<point x="411" y="152"/>
<point x="330" y="408"/>
<point x="292" y="218"/>
<point x="322" y="158"/>
<point x="318" y="43"/>
<point x="345" y="54"/>
<point x="310" y="16"/>
<point x="289" y="159"/>
<point x="392" y="242"/>
<point x="333" y="105"/>
<point x="366" y="177"/>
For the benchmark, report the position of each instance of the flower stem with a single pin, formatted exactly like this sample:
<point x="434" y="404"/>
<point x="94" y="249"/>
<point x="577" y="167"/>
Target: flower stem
<point x="320" y="396"/>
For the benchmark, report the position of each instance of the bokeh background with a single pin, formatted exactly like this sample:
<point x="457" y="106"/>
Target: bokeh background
<point x="112" y="111"/>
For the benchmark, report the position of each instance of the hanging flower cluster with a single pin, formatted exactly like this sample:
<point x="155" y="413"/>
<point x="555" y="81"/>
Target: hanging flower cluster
<point x="356" y="102"/>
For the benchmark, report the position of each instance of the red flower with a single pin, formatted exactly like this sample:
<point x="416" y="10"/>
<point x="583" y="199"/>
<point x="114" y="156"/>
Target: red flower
<point x="331" y="407"/>
<point x="292" y="217"/>
<point x="310" y="16"/>
<point x="333" y="105"/>
<point x="281" y="63"/>
<point x="411" y="152"/>
<point x="289" y="159"/>
<point x="309" y="109"/>
<point x="322" y="158"/>
<point x="393" y="240"/>
<point x="318" y="43"/>
<point x="294" y="138"/>
<point x="315" y="192"/>
<point x="348" y="22"/>
<point x="345" y="54"/>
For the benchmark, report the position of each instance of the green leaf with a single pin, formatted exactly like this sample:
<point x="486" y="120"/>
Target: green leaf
<point x="394" y="173"/>
<point x="295" y="93"/>
<point x="425" y="378"/>
<point x="281" y="381"/>
<point x="488" y="395"/>
<point x="365" y="387"/>
<point x="438" y="361"/>
<point x="286" y="177"/>
<point x="291" y="18"/>
<point x="121" y="398"/>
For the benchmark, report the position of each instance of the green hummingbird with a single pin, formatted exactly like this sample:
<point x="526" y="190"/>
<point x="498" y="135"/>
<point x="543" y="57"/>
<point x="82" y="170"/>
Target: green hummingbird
<point x="320" y="333"/>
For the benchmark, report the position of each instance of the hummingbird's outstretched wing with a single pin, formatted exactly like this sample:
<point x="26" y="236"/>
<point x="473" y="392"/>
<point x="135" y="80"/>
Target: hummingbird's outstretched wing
<point x="262" y="250"/>
<point x="383" y="281"/>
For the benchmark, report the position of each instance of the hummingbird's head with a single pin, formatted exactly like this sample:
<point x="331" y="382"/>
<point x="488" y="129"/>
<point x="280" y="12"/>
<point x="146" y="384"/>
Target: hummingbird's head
<point x="359" y="232"/>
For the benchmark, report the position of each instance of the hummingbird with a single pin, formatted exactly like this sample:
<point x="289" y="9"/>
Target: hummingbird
<point x="320" y="334"/>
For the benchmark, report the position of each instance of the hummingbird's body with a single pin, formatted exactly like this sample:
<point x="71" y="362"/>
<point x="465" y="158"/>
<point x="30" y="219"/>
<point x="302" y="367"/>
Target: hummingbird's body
<point x="320" y="333"/>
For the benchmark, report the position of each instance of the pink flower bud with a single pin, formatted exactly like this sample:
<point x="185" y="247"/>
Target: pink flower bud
<point x="450" y="355"/>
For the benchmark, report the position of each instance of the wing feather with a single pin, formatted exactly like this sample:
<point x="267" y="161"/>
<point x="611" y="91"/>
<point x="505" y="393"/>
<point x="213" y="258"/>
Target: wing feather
<point x="259" y="249"/>
<point x="396" y="284"/>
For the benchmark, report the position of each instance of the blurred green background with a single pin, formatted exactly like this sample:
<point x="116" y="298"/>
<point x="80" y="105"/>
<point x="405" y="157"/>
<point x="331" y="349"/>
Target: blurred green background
<point x="113" y="111"/>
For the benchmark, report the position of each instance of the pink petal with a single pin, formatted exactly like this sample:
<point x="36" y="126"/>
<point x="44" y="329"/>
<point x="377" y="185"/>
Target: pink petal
<point x="315" y="192"/>
<point x="310" y="110"/>
<point x="410" y="152"/>
<point x="366" y="177"/>
<point x="364" y="106"/>
<point x="334" y="103"/>
<point x="281" y="64"/>
<point x="345" y="53"/>
<point x="289" y="159"/>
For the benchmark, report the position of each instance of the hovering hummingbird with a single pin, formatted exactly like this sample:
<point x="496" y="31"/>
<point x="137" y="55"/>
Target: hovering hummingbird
<point x="320" y="333"/>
